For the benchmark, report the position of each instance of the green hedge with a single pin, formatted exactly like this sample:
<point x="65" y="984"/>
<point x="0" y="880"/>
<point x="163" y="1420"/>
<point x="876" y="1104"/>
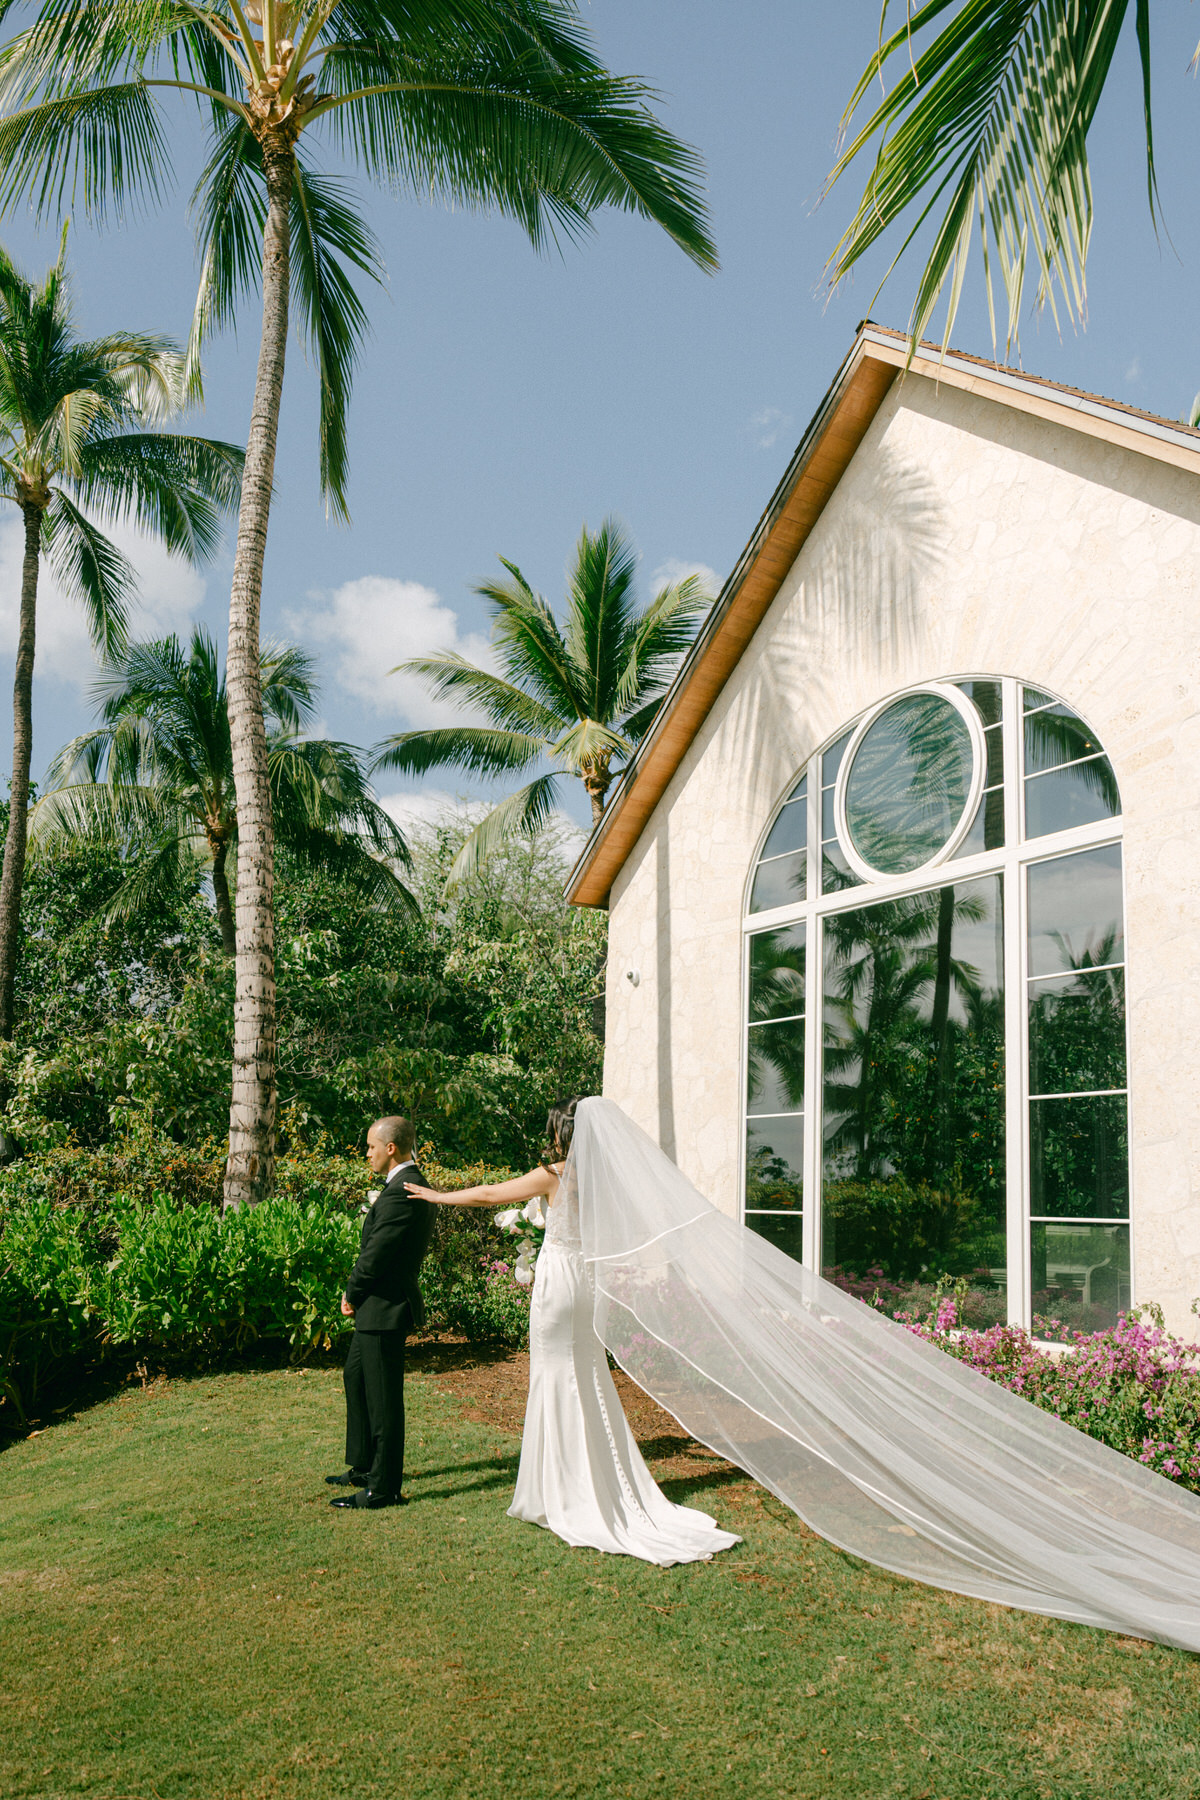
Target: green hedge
<point x="100" y="1261"/>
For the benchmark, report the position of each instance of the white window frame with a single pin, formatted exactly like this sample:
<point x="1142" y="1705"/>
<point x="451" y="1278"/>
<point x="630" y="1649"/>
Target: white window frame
<point x="1011" y="863"/>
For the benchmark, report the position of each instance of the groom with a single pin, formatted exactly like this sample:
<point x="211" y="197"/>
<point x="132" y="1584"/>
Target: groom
<point x="385" y="1303"/>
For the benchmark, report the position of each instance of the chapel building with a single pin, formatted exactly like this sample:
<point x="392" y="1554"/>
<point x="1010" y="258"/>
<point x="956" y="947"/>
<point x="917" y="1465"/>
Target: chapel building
<point x="904" y="883"/>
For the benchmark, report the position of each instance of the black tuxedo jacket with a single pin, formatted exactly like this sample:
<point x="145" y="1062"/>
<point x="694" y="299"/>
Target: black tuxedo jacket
<point x="382" y="1287"/>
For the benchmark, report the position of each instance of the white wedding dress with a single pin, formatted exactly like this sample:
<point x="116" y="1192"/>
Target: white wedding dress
<point x="582" y="1475"/>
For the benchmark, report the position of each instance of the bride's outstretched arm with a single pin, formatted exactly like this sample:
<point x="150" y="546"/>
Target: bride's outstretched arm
<point x="500" y="1193"/>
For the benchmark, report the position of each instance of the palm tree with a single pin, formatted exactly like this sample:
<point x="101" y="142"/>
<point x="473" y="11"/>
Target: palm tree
<point x="989" y="121"/>
<point x="496" y="104"/>
<point x="156" y="777"/>
<point x="73" y="445"/>
<point x="583" y="696"/>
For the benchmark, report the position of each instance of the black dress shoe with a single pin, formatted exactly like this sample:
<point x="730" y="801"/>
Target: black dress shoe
<point x="352" y="1478"/>
<point x="366" y="1499"/>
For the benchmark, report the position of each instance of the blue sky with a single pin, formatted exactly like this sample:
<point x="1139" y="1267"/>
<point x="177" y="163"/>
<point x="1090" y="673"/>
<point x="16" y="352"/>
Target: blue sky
<point x="506" y="398"/>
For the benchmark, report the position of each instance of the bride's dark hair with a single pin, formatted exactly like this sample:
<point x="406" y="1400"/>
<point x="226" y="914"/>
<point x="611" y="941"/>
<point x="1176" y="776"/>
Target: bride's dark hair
<point x="560" y="1128"/>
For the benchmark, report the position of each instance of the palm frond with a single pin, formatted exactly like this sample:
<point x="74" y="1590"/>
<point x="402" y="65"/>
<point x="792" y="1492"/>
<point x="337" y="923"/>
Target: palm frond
<point x="326" y="233"/>
<point x="452" y="676"/>
<point x="289" y="685"/>
<point x="151" y="370"/>
<point x="600" y="605"/>
<point x="988" y="124"/>
<point x="530" y="645"/>
<point x="523" y="812"/>
<point x="496" y="124"/>
<point x="164" y="709"/>
<point x="89" y="568"/>
<point x="348" y="857"/>
<point x="99" y="813"/>
<point x="229" y="204"/>
<point x="479" y="751"/>
<point x="57" y="440"/>
<point x="325" y="815"/>
<point x="72" y="42"/>
<point x="156" y="875"/>
<point x="658" y="639"/>
<point x="636" y="724"/>
<point x="174" y="486"/>
<point x="586" y="741"/>
<point x="80" y="759"/>
<point x="91" y="151"/>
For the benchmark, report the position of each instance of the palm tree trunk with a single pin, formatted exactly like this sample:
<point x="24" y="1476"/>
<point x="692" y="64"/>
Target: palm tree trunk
<point x="250" y="1170"/>
<point x="18" y="801"/>
<point x="597" y="780"/>
<point x="221" y="892"/>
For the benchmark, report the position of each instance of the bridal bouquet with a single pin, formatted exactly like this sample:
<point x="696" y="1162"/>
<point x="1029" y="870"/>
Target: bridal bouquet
<point x="528" y="1223"/>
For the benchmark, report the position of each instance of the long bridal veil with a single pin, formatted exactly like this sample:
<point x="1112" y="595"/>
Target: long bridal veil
<point x="877" y="1440"/>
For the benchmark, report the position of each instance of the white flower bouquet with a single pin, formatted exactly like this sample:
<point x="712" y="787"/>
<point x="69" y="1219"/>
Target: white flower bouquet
<point x="528" y="1223"/>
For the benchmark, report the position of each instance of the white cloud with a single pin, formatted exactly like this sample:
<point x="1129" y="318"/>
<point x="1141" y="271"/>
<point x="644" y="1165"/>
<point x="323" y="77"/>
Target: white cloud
<point x="1134" y="372"/>
<point x="767" y="426"/>
<point x="171" y="593"/>
<point x="369" y="625"/>
<point x="677" y="568"/>
<point x="417" y="807"/>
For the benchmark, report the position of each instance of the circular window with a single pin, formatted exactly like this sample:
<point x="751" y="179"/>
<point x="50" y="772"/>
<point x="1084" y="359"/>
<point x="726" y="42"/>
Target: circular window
<point x="910" y="782"/>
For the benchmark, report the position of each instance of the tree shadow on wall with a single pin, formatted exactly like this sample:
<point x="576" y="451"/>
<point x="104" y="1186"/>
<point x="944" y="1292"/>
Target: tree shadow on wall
<point x="1146" y="478"/>
<point x="861" y="604"/>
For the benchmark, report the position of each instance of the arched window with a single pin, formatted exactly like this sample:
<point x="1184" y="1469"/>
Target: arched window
<point x="935" y="1041"/>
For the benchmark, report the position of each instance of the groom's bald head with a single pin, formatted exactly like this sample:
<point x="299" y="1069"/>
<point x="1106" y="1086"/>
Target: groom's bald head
<point x="394" y="1134"/>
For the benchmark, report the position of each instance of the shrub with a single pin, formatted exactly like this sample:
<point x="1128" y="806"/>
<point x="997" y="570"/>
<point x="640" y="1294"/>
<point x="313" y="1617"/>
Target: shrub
<point x="96" y="1259"/>
<point x="189" y="1281"/>
<point x="1134" y="1386"/>
<point x="50" y="1267"/>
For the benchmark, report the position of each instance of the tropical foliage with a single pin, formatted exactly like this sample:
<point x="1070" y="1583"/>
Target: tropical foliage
<point x="581" y="695"/>
<point x="75" y="449"/>
<point x="472" y="1017"/>
<point x="116" y="1274"/>
<point x="155" y="779"/>
<point x="986" y="128"/>
<point x="491" y="104"/>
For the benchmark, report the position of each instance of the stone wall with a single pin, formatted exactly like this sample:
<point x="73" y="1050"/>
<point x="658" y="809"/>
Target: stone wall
<point x="964" y="539"/>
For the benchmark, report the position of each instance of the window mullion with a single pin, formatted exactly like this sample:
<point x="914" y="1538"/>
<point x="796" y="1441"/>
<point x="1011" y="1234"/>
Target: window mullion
<point x="1016" y="1058"/>
<point x="814" y="1102"/>
<point x="814" y="1010"/>
<point x="743" y="1077"/>
<point x="1016" y="1086"/>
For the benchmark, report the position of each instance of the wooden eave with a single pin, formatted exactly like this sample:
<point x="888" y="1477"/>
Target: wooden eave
<point x="838" y="428"/>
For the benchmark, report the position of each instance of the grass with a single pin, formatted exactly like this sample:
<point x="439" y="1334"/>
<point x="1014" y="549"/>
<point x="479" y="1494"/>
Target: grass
<point x="185" y="1618"/>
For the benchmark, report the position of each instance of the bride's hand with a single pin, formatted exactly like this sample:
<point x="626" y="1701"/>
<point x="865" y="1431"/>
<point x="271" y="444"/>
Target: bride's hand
<point x="410" y="1187"/>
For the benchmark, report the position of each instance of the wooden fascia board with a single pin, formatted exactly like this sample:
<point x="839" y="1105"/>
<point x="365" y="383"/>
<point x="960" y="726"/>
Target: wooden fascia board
<point x="819" y="464"/>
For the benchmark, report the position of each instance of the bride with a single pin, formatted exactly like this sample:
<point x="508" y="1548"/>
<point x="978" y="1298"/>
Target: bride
<point x="581" y="1475"/>
<point x="880" y="1442"/>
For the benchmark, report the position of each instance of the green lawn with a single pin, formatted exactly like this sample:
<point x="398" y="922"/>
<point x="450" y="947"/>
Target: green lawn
<point x="185" y="1618"/>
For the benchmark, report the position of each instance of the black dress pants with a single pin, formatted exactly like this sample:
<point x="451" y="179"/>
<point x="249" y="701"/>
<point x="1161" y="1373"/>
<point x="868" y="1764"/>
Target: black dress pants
<point x="374" y="1380"/>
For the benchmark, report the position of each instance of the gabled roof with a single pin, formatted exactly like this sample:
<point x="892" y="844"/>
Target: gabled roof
<point x="837" y="429"/>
